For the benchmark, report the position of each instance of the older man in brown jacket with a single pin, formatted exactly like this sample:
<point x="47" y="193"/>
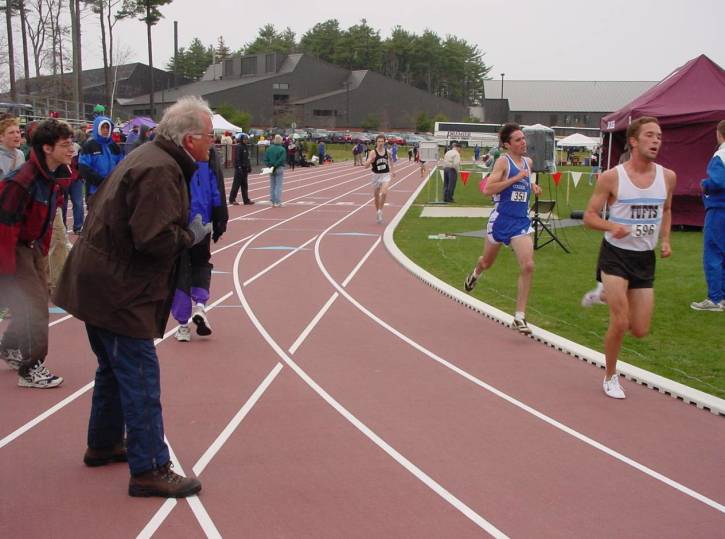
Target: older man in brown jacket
<point x="119" y="279"/>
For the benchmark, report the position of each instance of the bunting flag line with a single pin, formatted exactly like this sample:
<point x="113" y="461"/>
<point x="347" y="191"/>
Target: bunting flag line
<point x="576" y="177"/>
<point x="464" y="176"/>
<point x="557" y="178"/>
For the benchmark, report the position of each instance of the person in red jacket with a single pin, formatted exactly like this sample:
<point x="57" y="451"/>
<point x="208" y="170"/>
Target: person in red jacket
<point x="29" y="197"/>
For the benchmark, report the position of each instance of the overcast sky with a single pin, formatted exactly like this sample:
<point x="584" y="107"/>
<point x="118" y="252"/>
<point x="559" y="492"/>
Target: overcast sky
<point x="525" y="39"/>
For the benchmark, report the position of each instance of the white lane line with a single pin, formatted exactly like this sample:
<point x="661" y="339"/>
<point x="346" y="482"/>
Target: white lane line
<point x="214" y="448"/>
<point x="305" y="332"/>
<point x="70" y="398"/>
<point x="313" y="323"/>
<point x="364" y="429"/>
<point x="359" y="264"/>
<point x="200" y="513"/>
<point x="274" y="265"/>
<point x="49" y="412"/>
<point x="54" y="322"/>
<point x="526" y="408"/>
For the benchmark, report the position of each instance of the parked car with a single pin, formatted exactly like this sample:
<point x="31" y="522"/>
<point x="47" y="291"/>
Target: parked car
<point x="395" y="138"/>
<point x="365" y="138"/>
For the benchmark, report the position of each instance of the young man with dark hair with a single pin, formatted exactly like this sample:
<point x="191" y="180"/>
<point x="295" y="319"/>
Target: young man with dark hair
<point x="380" y="162"/>
<point x="638" y="194"/>
<point x="509" y="223"/>
<point x="29" y="197"/>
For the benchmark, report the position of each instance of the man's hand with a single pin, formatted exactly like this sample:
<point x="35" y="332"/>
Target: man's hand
<point x="620" y="231"/>
<point x="665" y="249"/>
<point x="536" y="188"/>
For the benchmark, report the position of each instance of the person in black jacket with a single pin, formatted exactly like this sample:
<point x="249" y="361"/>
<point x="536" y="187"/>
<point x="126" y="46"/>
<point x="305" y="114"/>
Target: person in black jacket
<point x="242" y="168"/>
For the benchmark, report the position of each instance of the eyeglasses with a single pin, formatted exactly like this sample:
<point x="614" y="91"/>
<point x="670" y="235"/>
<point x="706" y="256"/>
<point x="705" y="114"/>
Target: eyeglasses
<point x="200" y="135"/>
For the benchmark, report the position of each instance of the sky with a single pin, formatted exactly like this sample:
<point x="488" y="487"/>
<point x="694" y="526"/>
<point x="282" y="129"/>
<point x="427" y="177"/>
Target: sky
<point x="525" y="39"/>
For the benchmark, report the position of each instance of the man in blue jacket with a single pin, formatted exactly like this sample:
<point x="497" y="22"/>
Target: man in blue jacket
<point x="713" y="257"/>
<point x="99" y="155"/>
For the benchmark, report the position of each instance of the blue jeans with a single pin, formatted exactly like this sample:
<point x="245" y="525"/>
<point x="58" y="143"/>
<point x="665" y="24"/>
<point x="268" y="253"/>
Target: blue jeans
<point x="713" y="255"/>
<point x="275" y="186"/>
<point x="75" y="193"/>
<point x="127" y="393"/>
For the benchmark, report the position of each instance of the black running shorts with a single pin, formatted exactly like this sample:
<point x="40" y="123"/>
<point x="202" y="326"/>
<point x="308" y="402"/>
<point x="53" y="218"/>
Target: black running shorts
<point x="637" y="267"/>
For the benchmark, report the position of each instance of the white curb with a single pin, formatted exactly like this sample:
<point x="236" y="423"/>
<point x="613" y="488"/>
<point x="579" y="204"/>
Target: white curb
<point x="664" y="385"/>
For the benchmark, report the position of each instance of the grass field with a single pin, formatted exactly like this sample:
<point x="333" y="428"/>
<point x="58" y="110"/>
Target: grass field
<point x="685" y="345"/>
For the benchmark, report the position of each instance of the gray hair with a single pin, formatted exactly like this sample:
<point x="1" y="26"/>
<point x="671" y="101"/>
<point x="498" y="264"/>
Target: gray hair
<point x="183" y="117"/>
<point x="277" y="139"/>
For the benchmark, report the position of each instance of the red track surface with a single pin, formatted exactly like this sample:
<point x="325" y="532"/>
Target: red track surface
<point x="399" y="413"/>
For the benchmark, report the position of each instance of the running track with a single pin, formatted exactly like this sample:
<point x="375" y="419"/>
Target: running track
<point x="341" y="397"/>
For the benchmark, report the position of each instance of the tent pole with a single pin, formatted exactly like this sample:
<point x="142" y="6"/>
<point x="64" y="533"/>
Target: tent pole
<point x="609" y="152"/>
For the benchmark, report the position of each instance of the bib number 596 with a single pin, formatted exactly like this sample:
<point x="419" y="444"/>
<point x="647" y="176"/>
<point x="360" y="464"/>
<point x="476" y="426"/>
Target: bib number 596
<point x="643" y="230"/>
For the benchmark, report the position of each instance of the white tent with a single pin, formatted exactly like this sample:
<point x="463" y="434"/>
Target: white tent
<point x="577" y="139"/>
<point x="220" y="124"/>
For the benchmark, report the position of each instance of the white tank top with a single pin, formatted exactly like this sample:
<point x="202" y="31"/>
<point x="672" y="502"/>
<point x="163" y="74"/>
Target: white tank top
<point x="640" y="209"/>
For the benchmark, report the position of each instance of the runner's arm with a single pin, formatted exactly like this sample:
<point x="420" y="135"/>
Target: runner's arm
<point x="603" y="190"/>
<point x="665" y="248"/>
<point x="497" y="181"/>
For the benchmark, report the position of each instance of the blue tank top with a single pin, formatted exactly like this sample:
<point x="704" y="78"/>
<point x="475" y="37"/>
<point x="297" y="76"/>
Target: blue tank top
<point x="514" y="200"/>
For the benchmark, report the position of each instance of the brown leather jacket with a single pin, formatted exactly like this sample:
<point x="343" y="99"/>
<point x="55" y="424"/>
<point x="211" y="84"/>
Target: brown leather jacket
<point x="119" y="275"/>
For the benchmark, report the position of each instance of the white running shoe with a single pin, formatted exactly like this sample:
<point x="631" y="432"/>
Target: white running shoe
<point x="612" y="388"/>
<point x="593" y="297"/>
<point x="707" y="305"/>
<point x="183" y="334"/>
<point x="40" y="377"/>
<point x="12" y="357"/>
<point x="521" y="326"/>
<point x="379" y="216"/>
<point x="199" y="318"/>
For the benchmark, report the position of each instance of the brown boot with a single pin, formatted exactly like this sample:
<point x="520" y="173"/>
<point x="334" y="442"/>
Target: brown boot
<point x="163" y="482"/>
<point x="101" y="457"/>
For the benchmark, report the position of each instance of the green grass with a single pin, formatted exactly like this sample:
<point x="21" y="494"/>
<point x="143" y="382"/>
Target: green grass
<point x="684" y="345"/>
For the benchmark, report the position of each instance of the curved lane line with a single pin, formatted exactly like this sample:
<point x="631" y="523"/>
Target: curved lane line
<point x="526" y="408"/>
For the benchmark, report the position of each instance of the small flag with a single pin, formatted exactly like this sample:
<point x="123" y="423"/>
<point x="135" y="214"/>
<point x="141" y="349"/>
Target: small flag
<point x="576" y="177"/>
<point x="557" y="178"/>
<point x="464" y="176"/>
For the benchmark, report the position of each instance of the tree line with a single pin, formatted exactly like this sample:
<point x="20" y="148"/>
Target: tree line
<point x="50" y="33"/>
<point x="447" y="67"/>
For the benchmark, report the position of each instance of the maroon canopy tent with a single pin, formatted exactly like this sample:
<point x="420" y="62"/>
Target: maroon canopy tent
<point x="688" y="103"/>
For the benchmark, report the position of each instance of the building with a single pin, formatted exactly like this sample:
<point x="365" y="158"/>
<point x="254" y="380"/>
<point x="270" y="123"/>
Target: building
<point x="281" y="89"/>
<point x="568" y="105"/>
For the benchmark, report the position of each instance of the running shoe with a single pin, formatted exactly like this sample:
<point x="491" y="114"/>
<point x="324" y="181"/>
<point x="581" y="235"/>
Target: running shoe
<point x="202" y="322"/>
<point x="233" y="203"/>
<point x="707" y="305"/>
<point x="39" y="377"/>
<point x="521" y="326"/>
<point x="593" y="297"/>
<point x="183" y="334"/>
<point x="470" y="282"/>
<point x="12" y="357"/>
<point x="612" y="388"/>
<point x="379" y="216"/>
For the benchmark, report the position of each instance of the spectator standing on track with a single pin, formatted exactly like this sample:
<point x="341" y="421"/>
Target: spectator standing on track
<point x="638" y="194"/>
<point x="11" y="157"/>
<point x="321" y="152"/>
<point x="29" y="198"/>
<point x="99" y="155"/>
<point x="242" y="168"/>
<point x="509" y="223"/>
<point x="75" y="191"/>
<point x="713" y="256"/>
<point x="275" y="157"/>
<point x="119" y="280"/>
<point x="207" y="196"/>
<point x="227" y="141"/>
<point x="380" y="163"/>
<point x="291" y="153"/>
<point x="451" y="166"/>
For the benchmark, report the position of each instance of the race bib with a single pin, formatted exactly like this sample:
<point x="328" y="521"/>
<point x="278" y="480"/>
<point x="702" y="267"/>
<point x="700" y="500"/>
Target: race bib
<point x="639" y="231"/>
<point x="518" y="196"/>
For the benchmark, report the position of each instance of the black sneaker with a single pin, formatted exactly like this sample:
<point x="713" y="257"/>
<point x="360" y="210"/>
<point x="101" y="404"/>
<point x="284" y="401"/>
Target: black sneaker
<point x="12" y="357"/>
<point x="521" y="326"/>
<point x="470" y="282"/>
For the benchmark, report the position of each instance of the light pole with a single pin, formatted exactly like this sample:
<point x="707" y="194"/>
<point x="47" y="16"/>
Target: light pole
<point x="502" y="76"/>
